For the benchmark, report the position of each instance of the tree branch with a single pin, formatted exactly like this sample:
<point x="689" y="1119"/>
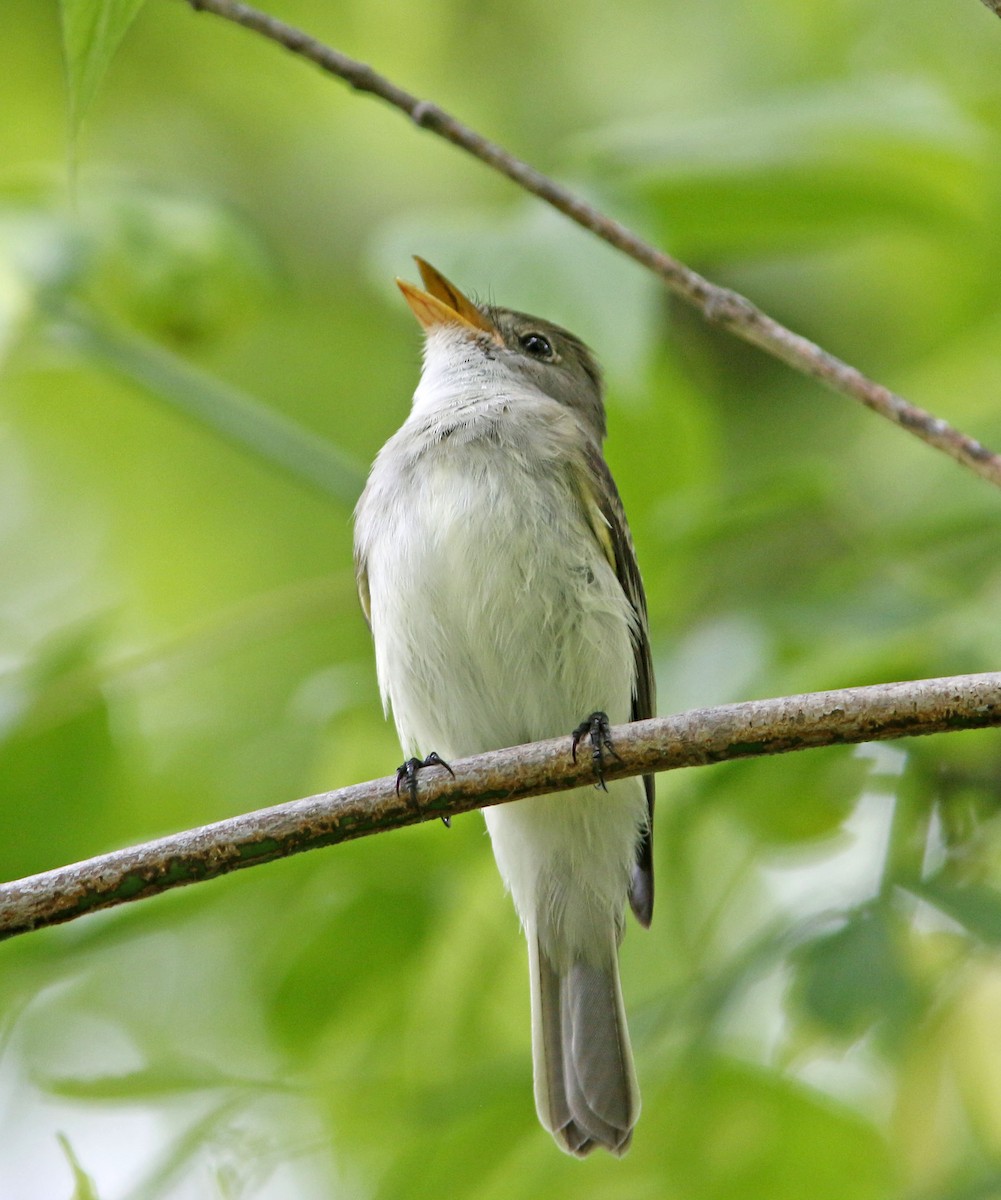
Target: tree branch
<point x="695" y="738"/>
<point x="994" y="6"/>
<point x="720" y="306"/>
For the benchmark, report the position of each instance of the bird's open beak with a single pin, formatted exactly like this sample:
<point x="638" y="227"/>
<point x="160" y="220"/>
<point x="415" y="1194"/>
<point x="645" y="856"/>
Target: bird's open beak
<point x="443" y="303"/>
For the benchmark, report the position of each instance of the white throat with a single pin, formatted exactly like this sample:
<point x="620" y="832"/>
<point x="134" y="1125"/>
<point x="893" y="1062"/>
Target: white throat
<point x="459" y="373"/>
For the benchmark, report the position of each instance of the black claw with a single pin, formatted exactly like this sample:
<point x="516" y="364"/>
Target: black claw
<point x="408" y="771"/>
<point x="596" y="728"/>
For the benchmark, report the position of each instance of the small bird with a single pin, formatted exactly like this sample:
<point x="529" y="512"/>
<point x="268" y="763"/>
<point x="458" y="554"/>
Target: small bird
<point x="497" y="573"/>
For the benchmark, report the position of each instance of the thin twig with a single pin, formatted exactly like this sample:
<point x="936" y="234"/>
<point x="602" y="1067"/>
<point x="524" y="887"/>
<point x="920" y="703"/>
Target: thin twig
<point x="721" y="306"/>
<point x="994" y="6"/>
<point x="695" y="738"/>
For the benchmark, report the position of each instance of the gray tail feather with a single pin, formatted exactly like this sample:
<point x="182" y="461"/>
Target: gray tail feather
<point x="585" y="1086"/>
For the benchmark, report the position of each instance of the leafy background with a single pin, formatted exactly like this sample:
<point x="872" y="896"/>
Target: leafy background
<point x="202" y="348"/>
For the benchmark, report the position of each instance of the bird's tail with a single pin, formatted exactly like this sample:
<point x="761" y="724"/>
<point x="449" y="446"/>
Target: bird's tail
<point x="585" y="1085"/>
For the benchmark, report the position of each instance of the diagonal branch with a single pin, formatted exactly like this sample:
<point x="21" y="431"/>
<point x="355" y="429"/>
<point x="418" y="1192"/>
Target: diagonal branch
<point x="695" y="738"/>
<point x="719" y="305"/>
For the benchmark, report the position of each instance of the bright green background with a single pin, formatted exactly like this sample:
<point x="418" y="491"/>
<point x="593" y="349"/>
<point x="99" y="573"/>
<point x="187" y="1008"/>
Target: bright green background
<point x="817" y="1009"/>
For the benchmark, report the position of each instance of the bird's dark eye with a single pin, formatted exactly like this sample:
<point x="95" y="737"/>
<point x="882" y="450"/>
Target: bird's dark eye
<point x="537" y="345"/>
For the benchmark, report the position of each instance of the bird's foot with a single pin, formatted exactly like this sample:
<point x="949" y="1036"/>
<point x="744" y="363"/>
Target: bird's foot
<point x="597" y="729"/>
<point x="408" y="771"/>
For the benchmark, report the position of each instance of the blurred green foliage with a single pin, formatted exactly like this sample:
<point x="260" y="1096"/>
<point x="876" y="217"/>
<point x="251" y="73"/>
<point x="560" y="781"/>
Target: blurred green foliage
<point x="200" y="344"/>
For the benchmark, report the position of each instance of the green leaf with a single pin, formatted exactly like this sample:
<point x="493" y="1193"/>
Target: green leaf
<point x="975" y="907"/>
<point x="92" y="32"/>
<point x="57" y="741"/>
<point x="855" y="977"/>
<point x="181" y="269"/>
<point x="795" y="798"/>
<point x="83" y="1185"/>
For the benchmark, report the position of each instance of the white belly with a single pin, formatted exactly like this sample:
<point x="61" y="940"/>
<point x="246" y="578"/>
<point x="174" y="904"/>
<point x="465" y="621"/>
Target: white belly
<point x="495" y="623"/>
<point x="498" y="620"/>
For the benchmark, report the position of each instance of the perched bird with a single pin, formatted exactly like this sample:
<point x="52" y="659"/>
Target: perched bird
<point x="496" y="570"/>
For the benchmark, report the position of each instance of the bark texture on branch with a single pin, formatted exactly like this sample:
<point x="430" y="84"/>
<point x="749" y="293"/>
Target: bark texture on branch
<point x="695" y="738"/>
